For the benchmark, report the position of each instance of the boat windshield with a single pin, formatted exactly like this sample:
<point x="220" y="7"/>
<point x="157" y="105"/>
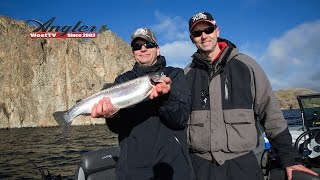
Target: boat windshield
<point x="310" y="109"/>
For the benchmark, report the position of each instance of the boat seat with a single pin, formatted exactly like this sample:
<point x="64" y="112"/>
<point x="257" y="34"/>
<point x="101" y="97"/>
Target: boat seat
<point x="98" y="164"/>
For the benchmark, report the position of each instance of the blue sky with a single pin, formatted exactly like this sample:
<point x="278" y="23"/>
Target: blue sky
<point x="282" y="35"/>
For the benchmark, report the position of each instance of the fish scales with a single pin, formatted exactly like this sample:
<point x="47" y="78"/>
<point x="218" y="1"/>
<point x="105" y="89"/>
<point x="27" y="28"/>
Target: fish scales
<point x="121" y="96"/>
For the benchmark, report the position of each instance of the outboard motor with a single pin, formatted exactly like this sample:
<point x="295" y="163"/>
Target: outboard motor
<point x="99" y="164"/>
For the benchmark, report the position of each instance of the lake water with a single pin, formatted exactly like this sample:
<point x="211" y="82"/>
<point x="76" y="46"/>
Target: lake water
<point x="47" y="148"/>
<point x="293" y="117"/>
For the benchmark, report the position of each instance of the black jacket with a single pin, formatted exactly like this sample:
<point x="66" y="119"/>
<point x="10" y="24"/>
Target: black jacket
<point x="152" y="134"/>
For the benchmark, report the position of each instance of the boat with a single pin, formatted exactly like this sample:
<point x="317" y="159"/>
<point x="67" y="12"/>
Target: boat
<point x="101" y="163"/>
<point x="310" y="114"/>
<point x="305" y="139"/>
<point x="308" y="142"/>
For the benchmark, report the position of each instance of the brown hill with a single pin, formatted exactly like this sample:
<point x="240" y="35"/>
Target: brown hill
<point x="288" y="98"/>
<point x="41" y="76"/>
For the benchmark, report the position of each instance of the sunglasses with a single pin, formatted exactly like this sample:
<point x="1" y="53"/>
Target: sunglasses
<point x="208" y="30"/>
<point x="148" y="45"/>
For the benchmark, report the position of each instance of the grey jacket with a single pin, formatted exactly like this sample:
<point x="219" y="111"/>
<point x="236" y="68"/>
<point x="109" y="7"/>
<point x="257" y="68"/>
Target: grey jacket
<point x="229" y="97"/>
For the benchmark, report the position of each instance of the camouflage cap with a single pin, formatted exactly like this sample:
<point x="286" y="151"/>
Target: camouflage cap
<point x="145" y="34"/>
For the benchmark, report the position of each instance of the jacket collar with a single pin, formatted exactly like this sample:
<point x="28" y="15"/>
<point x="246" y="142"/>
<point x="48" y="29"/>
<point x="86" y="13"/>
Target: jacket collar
<point x="202" y="61"/>
<point x="140" y="70"/>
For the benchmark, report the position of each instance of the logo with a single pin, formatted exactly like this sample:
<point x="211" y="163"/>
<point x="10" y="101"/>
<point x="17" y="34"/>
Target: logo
<point x="199" y="16"/>
<point x="141" y="31"/>
<point x="47" y="30"/>
<point x="106" y="156"/>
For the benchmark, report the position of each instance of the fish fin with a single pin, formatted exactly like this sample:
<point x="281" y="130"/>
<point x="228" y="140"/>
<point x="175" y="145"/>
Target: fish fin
<point x="86" y="114"/>
<point x="107" y="85"/>
<point x="79" y="100"/>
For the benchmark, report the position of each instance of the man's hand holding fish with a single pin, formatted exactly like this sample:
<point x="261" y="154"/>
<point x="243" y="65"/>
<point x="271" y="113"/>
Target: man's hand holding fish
<point x="161" y="88"/>
<point x="104" y="108"/>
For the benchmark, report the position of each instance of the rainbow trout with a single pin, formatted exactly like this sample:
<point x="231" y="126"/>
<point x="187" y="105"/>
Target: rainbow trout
<point x="121" y="96"/>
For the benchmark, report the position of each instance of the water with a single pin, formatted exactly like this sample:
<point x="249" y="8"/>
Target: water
<point x="293" y="117"/>
<point x="48" y="150"/>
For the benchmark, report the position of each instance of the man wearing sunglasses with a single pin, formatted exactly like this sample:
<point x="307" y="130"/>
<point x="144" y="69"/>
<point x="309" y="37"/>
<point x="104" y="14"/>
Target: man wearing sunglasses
<point x="231" y="93"/>
<point x="152" y="134"/>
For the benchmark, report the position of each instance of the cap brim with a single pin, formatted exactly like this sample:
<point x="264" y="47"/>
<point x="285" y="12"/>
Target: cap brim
<point x="143" y="37"/>
<point x="204" y="20"/>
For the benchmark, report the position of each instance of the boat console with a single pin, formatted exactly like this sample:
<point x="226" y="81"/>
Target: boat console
<point x="307" y="143"/>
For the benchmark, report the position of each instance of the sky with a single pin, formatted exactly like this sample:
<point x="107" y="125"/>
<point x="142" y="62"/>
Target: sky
<point x="281" y="35"/>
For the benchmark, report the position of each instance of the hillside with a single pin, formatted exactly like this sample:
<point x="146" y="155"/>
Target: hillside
<point x="288" y="98"/>
<point x="42" y="75"/>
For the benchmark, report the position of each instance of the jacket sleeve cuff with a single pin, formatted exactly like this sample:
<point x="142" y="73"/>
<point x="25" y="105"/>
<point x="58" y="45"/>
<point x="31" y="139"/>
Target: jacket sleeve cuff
<point x="282" y="144"/>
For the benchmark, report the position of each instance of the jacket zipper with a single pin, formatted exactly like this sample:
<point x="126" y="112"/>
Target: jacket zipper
<point x="226" y="88"/>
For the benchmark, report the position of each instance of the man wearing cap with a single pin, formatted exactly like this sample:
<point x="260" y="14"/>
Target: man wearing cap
<point x="231" y="93"/>
<point x="152" y="134"/>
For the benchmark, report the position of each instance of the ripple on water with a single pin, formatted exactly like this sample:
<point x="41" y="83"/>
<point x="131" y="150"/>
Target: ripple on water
<point x="48" y="149"/>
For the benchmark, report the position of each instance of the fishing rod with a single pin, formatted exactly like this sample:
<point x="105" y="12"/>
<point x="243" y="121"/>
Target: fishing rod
<point x="44" y="176"/>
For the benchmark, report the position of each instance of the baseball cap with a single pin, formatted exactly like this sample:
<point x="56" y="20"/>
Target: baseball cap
<point x="201" y="17"/>
<point x="145" y="34"/>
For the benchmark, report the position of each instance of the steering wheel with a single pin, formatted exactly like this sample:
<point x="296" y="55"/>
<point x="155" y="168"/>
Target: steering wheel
<point x="308" y="143"/>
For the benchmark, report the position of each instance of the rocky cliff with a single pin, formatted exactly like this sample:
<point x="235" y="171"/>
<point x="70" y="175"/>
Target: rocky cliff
<point x="41" y="76"/>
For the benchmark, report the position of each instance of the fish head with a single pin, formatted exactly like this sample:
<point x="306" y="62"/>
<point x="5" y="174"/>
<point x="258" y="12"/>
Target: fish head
<point x="156" y="78"/>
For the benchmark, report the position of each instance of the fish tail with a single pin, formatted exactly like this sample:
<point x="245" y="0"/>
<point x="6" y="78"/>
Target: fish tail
<point x="62" y="119"/>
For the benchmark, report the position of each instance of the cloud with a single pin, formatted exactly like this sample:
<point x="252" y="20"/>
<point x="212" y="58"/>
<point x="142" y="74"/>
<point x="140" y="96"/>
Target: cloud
<point x="173" y="38"/>
<point x="171" y="28"/>
<point x="178" y="53"/>
<point x="292" y="60"/>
